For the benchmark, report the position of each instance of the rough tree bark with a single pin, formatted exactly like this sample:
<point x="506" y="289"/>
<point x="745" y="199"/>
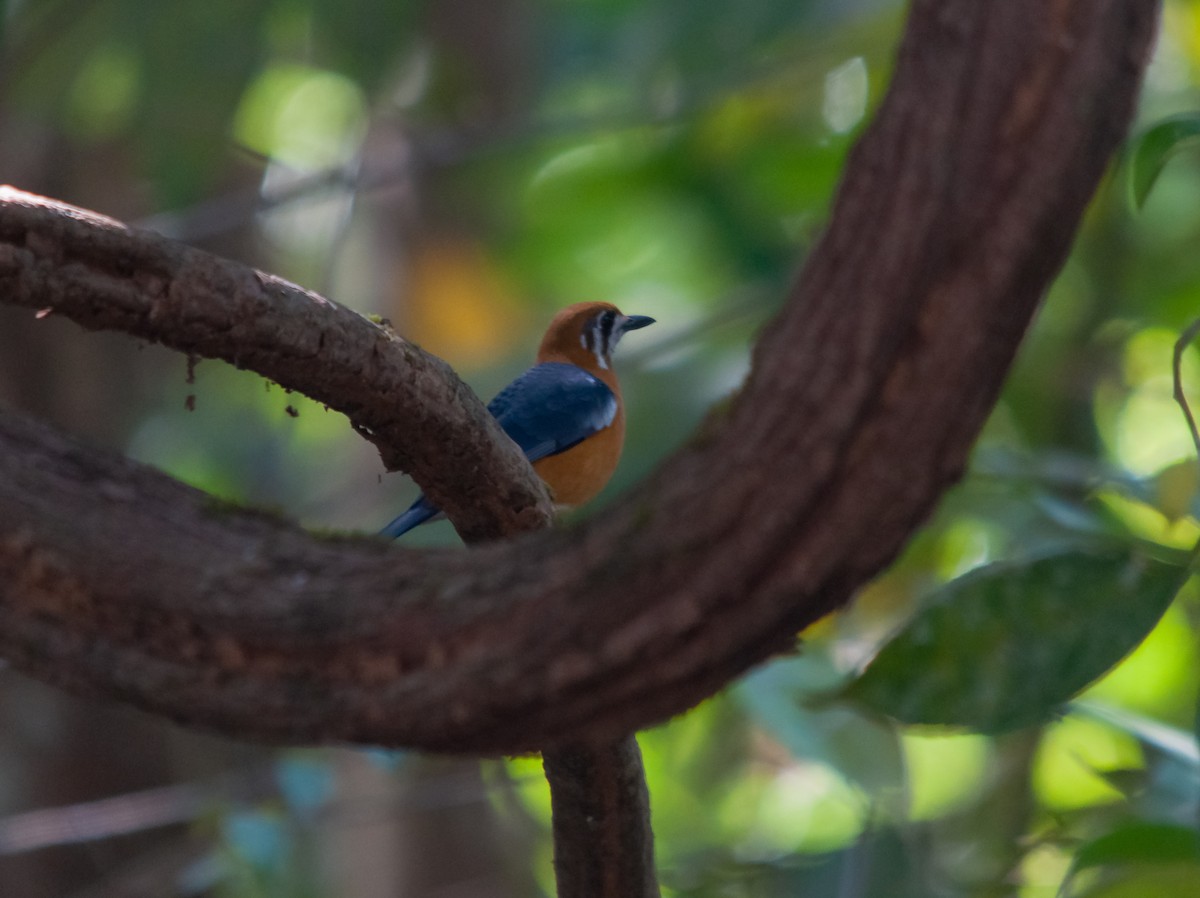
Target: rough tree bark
<point x="957" y="208"/>
<point x="603" y="843"/>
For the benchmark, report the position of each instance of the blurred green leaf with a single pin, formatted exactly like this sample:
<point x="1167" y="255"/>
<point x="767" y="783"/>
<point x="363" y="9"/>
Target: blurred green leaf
<point x="1166" y="880"/>
<point x="1140" y="842"/>
<point x="1004" y="645"/>
<point x="860" y="748"/>
<point x="308" y="118"/>
<point x="1154" y="147"/>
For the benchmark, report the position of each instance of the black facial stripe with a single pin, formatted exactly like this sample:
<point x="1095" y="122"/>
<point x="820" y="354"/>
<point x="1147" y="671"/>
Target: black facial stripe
<point x="602" y="331"/>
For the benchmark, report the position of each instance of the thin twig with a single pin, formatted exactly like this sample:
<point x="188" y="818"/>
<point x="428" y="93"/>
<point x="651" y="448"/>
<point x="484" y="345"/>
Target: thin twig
<point x="118" y="815"/>
<point x="1184" y="341"/>
<point x="147" y="809"/>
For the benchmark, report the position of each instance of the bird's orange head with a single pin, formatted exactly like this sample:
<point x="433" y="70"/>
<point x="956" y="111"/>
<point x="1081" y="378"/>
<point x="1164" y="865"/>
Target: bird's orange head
<point x="585" y="334"/>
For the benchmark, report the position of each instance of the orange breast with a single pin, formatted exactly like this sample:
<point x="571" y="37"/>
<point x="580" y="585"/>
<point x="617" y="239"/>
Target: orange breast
<point x="577" y="475"/>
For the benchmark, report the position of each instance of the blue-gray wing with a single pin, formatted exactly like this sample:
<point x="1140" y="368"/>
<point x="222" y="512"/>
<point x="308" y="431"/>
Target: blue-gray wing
<point x="552" y="407"/>
<point x="547" y="410"/>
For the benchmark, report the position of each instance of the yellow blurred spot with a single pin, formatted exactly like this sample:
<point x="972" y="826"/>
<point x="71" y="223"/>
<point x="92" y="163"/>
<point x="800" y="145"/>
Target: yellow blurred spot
<point x="1181" y="21"/>
<point x="729" y="125"/>
<point x="1148" y="357"/>
<point x="965" y="544"/>
<point x="1147" y="521"/>
<point x="529" y="786"/>
<point x="822" y="627"/>
<point x="1072" y="755"/>
<point x="944" y="771"/>
<point x="1149" y="431"/>
<point x="804" y="808"/>
<point x="103" y="95"/>
<point x="459" y="306"/>
<point x="1174" y="488"/>
<point x="522" y="778"/>
<point x="1042" y="870"/>
<point x="308" y="118"/>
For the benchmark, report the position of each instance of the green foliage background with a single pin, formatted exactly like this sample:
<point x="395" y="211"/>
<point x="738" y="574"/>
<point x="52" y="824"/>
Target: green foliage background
<point x="463" y="170"/>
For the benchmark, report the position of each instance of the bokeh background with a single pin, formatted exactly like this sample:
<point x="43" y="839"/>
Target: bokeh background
<point x="463" y="170"/>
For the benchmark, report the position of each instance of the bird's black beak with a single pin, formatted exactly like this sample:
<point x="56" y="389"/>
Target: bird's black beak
<point x="633" y="322"/>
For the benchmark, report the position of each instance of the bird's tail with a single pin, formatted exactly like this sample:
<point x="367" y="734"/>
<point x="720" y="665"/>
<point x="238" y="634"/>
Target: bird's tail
<point x="418" y="513"/>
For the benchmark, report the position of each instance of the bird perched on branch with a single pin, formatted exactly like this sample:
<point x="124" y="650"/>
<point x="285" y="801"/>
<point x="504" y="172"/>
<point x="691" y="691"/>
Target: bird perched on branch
<point x="565" y="412"/>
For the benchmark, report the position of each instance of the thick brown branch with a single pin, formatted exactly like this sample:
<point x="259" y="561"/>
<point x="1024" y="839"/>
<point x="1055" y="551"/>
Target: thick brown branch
<point x="425" y="421"/>
<point x="957" y="209"/>
<point x="603" y="844"/>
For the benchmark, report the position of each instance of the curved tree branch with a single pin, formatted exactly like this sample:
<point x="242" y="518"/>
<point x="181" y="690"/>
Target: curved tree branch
<point x="957" y="208"/>
<point x="424" y="420"/>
